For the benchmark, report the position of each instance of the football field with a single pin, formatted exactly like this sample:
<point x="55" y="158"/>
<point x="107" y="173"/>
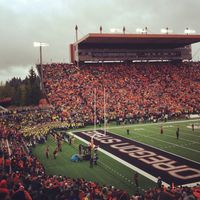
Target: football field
<point x="114" y="171"/>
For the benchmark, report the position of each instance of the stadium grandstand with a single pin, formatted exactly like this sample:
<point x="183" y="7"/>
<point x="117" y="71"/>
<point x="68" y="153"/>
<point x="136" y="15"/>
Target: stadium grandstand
<point x="101" y="47"/>
<point x="139" y="72"/>
<point x="127" y="95"/>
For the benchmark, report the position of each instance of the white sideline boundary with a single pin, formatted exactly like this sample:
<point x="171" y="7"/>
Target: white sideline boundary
<point x="146" y="145"/>
<point x="189" y="184"/>
<point x="156" y="148"/>
<point x="4" y="109"/>
<point x="152" y="124"/>
<point x="142" y="124"/>
<point x="197" y="151"/>
<point x="9" y="153"/>
<point x="149" y="176"/>
<point x="182" y="139"/>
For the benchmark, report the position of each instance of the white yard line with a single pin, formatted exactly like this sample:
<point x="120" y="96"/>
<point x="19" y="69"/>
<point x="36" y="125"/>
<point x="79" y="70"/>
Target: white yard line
<point x="149" y="176"/>
<point x="153" y="124"/>
<point x="148" y="124"/>
<point x="182" y="139"/>
<point x="193" y="135"/>
<point x="171" y="133"/>
<point x="191" y="184"/>
<point x="9" y="151"/>
<point x="194" y="150"/>
<point x="184" y="133"/>
<point x="156" y="147"/>
<point x="149" y="146"/>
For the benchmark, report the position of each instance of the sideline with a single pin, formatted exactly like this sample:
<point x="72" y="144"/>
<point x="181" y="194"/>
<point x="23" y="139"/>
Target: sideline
<point x="153" y="124"/>
<point x="9" y="153"/>
<point x="145" y="174"/>
<point x="194" y="150"/>
<point x="155" y="147"/>
<point x="182" y="139"/>
<point x="135" y="125"/>
<point x="149" y="176"/>
<point x="126" y="126"/>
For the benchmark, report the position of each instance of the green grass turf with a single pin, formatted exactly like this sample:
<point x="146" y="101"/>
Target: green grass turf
<point x="107" y="172"/>
<point x="110" y="172"/>
<point x="187" y="146"/>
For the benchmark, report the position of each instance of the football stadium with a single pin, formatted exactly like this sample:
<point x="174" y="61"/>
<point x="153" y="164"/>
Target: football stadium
<point x="121" y="121"/>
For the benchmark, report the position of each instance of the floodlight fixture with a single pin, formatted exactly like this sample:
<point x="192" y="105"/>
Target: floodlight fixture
<point x="141" y="30"/>
<point x="166" y="30"/>
<point x="189" y="31"/>
<point x="40" y="44"/>
<point x="116" y="30"/>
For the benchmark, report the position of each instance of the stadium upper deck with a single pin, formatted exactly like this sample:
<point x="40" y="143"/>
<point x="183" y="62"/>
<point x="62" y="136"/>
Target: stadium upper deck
<point x="97" y="47"/>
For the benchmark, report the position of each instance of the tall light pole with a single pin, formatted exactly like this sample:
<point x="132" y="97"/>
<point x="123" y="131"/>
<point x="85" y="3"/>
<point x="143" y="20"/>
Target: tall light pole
<point x="76" y="30"/>
<point x="124" y="29"/>
<point x="41" y="44"/>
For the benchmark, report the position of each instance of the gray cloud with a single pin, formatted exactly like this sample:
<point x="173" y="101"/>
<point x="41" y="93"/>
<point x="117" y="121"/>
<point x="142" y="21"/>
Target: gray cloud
<point x="25" y="21"/>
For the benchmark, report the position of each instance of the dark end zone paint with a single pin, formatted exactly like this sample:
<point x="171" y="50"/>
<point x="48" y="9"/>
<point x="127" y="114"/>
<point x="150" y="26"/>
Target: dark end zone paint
<point x="153" y="161"/>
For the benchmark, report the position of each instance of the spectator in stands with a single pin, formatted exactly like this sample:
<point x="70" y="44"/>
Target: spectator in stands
<point x="137" y="91"/>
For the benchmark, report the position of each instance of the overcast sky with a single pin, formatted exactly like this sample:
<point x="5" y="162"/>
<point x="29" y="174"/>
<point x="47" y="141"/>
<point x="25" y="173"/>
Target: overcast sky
<point x="53" y="22"/>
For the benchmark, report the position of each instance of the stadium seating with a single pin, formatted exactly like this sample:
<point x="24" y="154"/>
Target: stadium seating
<point x="135" y="91"/>
<point x="25" y="179"/>
<point x="140" y="90"/>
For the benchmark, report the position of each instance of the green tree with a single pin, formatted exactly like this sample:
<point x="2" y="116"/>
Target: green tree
<point x="23" y="92"/>
<point x="33" y="88"/>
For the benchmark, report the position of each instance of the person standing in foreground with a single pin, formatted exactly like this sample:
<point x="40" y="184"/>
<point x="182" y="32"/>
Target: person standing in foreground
<point x="159" y="182"/>
<point x="55" y="153"/>
<point x="161" y="129"/>
<point x="127" y="131"/>
<point x="136" y="180"/>
<point x="192" y="127"/>
<point x="47" y="152"/>
<point x="177" y="133"/>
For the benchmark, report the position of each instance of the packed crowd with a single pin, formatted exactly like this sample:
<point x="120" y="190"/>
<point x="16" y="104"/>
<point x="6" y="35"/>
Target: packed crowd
<point x="29" y="116"/>
<point x="22" y="177"/>
<point x="131" y="91"/>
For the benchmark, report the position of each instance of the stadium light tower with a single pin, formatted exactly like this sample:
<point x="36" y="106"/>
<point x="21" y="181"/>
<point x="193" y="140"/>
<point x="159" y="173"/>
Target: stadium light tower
<point x="40" y="44"/>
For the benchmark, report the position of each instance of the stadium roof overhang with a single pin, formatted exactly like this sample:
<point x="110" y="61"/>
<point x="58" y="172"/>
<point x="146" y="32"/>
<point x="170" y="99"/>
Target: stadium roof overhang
<point x="137" y="40"/>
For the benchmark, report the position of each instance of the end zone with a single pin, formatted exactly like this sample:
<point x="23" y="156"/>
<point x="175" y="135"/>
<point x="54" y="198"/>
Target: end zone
<point x="149" y="161"/>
